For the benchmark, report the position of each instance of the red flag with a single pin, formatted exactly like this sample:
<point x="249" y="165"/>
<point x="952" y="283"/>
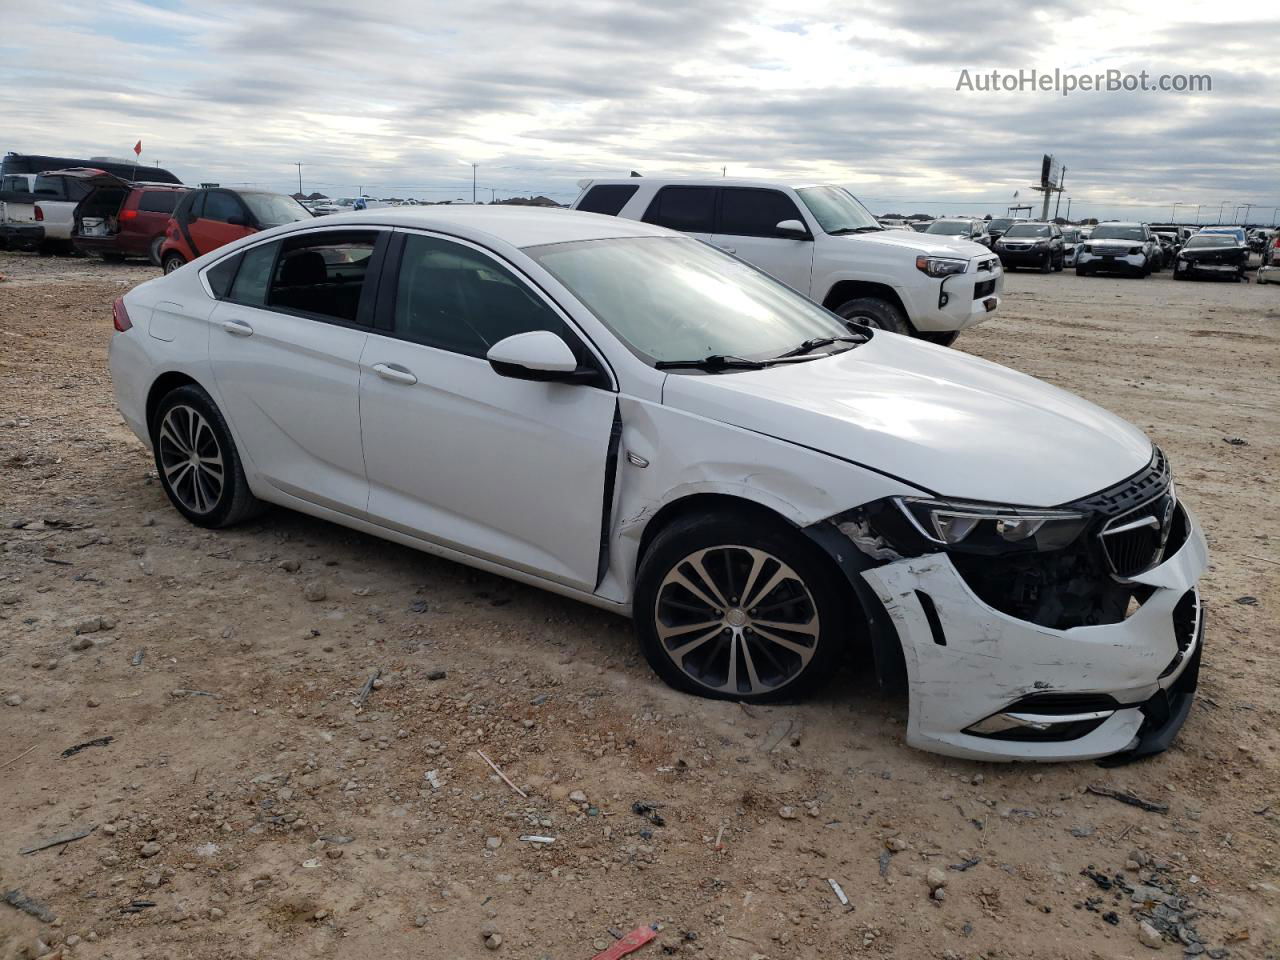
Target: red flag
<point x="137" y="149"/>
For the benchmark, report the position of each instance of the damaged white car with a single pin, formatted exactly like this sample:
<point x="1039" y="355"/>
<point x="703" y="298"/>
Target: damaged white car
<point x="622" y="414"/>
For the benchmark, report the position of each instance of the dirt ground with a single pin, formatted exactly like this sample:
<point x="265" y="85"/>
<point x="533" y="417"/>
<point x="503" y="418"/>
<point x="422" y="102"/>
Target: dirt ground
<point x="246" y="807"/>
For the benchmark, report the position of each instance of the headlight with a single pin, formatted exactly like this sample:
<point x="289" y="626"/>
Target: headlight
<point x="981" y="527"/>
<point x="1042" y="243"/>
<point x="940" y="266"/>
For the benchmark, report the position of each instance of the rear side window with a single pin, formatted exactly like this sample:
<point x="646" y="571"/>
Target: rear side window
<point x="250" y="287"/>
<point x="455" y="298"/>
<point x="158" y="201"/>
<point x="195" y="210"/>
<point x="220" y="276"/>
<point x="691" y="209"/>
<point x="754" y="213"/>
<point x="608" y="198"/>
<point x="323" y="274"/>
<point x="221" y="207"/>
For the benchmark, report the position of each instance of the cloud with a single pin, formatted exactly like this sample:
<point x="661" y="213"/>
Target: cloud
<point x="401" y="98"/>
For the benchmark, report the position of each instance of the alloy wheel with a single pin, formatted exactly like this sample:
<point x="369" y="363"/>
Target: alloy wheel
<point x="736" y="620"/>
<point x="191" y="459"/>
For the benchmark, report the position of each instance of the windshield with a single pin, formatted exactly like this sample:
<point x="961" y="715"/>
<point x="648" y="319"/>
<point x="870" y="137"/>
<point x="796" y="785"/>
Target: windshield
<point x="273" y="209"/>
<point x="1211" y="240"/>
<point x="951" y="228"/>
<point x="837" y="210"/>
<point x="1000" y="224"/>
<point x="1110" y="231"/>
<point x="679" y="299"/>
<point x="1028" y="230"/>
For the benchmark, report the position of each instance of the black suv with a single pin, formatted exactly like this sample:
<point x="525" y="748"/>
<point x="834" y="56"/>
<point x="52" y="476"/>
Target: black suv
<point x="1031" y="244"/>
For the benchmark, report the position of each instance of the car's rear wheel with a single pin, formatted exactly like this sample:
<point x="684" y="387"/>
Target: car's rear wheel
<point x="877" y="313"/>
<point x="197" y="460"/>
<point x="173" y="261"/>
<point x="1046" y="265"/>
<point x="740" y="607"/>
<point x="154" y="251"/>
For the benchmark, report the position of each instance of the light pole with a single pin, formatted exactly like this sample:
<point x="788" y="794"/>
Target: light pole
<point x="473" y="178"/>
<point x="1173" y="214"/>
<point x="1198" y="206"/>
<point x="1247" y="208"/>
<point x="1068" y="209"/>
<point x="298" y="164"/>
<point x="1220" y="206"/>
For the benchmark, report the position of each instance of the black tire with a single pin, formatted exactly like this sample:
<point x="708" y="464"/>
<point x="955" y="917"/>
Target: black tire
<point x="1179" y="276"/>
<point x="1046" y="265"/>
<point x="816" y="598"/>
<point x="173" y="261"/>
<point x="877" y="313"/>
<point x="234" y="501"/>
<point x="942" y="339"/>
<point x="153" y="252"/>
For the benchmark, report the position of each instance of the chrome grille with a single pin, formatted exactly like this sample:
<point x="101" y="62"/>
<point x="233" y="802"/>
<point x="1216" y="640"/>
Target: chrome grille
<point x="1134" y="542"/>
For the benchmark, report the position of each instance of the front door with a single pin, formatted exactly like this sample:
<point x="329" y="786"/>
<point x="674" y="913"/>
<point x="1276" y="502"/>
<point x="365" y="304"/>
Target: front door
<point x="211" y="226"/>
<point x="748" y="228"/>
<point x="507" y="470"/>
<point x="285" y="347"/>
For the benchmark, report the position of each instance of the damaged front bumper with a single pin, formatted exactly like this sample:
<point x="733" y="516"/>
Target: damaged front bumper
<point x="989" y="686"/>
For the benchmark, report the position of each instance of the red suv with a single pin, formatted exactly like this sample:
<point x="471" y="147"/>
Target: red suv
<point x="118" y="219"/>
<point x="206" y="219"/>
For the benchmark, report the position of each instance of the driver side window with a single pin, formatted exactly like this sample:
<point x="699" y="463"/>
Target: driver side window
<point x="221" y="207"/>
<point x="457" y="299"/>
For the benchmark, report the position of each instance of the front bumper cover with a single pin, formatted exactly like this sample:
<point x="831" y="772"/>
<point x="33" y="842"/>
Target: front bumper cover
<point x="967" y="662"/>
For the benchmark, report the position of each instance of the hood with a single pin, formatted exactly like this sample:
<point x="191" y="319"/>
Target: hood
<point x="1115" y="242"/>
<point x="947" y="422"/>
<point x="929" y="244"/>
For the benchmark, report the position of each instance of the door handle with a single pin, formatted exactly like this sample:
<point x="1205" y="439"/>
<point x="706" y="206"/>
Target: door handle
<point x="394" y="373"/>
<point x="237" y="327"/>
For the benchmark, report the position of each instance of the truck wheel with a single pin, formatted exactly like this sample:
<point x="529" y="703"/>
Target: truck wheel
<point x="876" y="313"/>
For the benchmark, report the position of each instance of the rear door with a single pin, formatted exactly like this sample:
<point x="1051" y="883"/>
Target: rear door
<point x="144" y="217"/>
<point x="689" y="209"/>
<point x="212" y="226"/>
<point x="748" y="227"/>
<point x="285" y="346"/>
<point x="511" y="471"/>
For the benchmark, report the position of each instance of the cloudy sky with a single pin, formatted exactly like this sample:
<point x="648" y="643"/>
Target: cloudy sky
<point x="401" y="98"/>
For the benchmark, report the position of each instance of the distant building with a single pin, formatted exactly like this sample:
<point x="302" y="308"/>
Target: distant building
<point x="538" y="201"/>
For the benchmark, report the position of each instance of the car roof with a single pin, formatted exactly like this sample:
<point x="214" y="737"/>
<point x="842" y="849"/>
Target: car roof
<point x="707" y="182"/>
<point x="517" y="226"/>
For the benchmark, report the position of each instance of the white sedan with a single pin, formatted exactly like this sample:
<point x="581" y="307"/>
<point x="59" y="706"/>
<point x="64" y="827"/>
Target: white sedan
<point x="624" y="415"/>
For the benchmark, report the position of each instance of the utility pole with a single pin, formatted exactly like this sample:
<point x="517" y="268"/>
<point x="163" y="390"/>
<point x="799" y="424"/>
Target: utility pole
<point x="299" y="166"/>
<point x="492" y="194"/>
<point x="1220" y="206"/>
<point x="1062" y="178"/>
<point x="1068" y="208"/>
<point x="1198" y="206"/>
<point x="473" y="183"/>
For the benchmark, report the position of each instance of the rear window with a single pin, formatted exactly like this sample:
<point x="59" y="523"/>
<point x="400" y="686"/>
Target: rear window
<point x="691" y="209"/>
<point x="254" y="275"/>
<point x="158" y="201"/>
<point x="608" y="198"/>
<point x="746" y="212"/>
<point x="221" y="274"/>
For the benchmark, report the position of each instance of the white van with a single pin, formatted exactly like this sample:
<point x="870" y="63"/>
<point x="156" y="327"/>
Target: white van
<point x="821" y="241"/>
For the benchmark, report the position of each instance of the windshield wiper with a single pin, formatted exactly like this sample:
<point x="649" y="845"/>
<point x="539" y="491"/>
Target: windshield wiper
<point x="845" y="230"/>
<point x="715" y="362"/>
<point x="814" y="343"/>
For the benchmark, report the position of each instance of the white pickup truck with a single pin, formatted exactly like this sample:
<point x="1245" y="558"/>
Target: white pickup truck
<point x="821" y="241"/>
<point x="37" y="211"/>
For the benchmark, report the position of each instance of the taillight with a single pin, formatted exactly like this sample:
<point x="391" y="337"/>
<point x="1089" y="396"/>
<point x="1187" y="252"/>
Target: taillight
<point x="120" y="316"/>
<point x="128" y="214"/>
<point x="39" y="212"/>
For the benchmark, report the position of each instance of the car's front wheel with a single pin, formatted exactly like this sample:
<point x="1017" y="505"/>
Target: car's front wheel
<point x="740" y="607"/>
<point x="173" y="261"/>
<point x="197" y="460"/>
<point x="877" y="313"/>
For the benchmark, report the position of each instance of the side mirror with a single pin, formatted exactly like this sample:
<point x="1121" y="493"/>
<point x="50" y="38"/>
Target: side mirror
<point x="537" y="355"/>
<point x="793" y="228"/>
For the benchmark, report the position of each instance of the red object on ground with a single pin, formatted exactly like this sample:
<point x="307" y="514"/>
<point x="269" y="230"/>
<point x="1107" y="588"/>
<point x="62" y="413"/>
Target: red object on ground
<point x="634" y="940"/>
